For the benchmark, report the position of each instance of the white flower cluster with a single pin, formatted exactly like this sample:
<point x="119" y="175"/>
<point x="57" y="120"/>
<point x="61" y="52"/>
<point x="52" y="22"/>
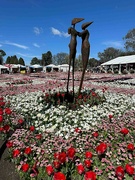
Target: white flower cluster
<point x="63" y="121"/>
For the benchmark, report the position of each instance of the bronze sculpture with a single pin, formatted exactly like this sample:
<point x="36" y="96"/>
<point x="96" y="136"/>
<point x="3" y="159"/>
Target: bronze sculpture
<point x="72" y="49"/>
<point x="85" y="50"/>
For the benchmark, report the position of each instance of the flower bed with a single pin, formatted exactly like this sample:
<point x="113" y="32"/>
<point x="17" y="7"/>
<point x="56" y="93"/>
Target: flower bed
<point x="56" y="142"/>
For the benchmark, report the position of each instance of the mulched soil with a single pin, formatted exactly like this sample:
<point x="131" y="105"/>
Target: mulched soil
<point x="7" y="169"/>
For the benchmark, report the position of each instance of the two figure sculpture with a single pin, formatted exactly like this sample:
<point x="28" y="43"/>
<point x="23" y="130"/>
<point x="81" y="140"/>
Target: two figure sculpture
<point x="85" y="50"/>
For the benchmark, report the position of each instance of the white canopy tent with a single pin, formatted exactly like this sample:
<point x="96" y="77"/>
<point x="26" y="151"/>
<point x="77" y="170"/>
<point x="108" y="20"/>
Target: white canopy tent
<point x="120" y="61"/>
<point x="3" y="68"/>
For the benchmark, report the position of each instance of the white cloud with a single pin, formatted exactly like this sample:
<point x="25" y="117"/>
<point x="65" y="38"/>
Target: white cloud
<point x="36" y="45"/>
<point x="27" y="55"/>
<point x="15" y="44"/>
<point x="37" y="30"/>
<point x="116" y="44"/>
<point x="59" y="33"/>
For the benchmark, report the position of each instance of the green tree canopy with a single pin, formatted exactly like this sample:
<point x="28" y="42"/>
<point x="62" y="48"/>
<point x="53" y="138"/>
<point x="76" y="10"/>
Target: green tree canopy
<point x="2" y="53"/>
<point x="46" y="58"/>
<point x="93" y="62"/>
<point x="108" y="54"/>
<point x="35" y="60"/>
<point x="8" y="60"/>
<point x="130" y="40"/>
<point x="21" y="61"/>
<point x="60" y="58"/>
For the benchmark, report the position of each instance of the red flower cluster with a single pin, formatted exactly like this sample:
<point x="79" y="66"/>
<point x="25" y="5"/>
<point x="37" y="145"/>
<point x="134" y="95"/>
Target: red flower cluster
<point x="120" y="171"/>
<point x="124" y="131"/>
<point x="59" y="176"/>
<point x="101" y="148"/>
<point x="7" y="111"/>
<point x="130" y="147"/>
<point x="25" y="167"/>
<point x="27" y="150"/>
<point x="9" y="144"/>
<point x="90" y="175"/>
<point x="16" y="152"/>
<point x="49" y="170"/>
<point x="71" y="153"/>
<point x="95" y="134"/>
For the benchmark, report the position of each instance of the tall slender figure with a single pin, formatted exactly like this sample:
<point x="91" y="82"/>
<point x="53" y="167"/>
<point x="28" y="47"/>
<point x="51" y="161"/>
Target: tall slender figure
<point x="85" y="50"/>
<point x="72" y="50"/>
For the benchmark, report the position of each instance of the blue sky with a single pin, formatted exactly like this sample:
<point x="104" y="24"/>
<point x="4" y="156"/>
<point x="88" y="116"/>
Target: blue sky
<point x="30" y="28"/>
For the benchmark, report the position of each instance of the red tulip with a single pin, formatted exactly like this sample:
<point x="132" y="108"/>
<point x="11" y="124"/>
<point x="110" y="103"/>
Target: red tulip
<point x="32" y="128"/>
<point x="6" y="128"/>
<point x="95" y="134"/>
<point x="88" y="154"/>
<point x="129" y="169"/>
<point x="25" y="167"/>
<point x="16" y="152"/>
<point x="80" y="168"/>
<point x="59" y="176"/>
<point x="119" y="171"/>
<point x="9" y="144"/>
<point x="90" y="175"/>
<point x="20" y="121"/>
<point x="101" y="148"/>
<point x="77" y="130"/>
<point x="1" y="118"/>
<point x="27" y="150"/>
<point x="130" y="147"/>
<point x="71" y="152"/>
<point x="49" y="170"/>
<point x="87" y="163"/>
<point x="124" y="131"/>
<point x="8" y="111"/>
<point x="62" y="157"/>
<point x="56" y="164"/>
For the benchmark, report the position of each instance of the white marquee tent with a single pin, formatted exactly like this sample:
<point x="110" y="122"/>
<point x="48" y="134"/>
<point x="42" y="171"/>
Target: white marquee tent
<point x="125" y="61"/>
<point x="121" y="60"/>
<point x="3" y="68"/>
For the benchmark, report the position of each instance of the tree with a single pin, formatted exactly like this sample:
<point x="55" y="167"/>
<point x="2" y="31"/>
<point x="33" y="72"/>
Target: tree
<point x="2" y="53"/>
<point x="21" y="61"/>
<point x="35" y="60"/>
<point x="93" y="62"/>
<point x="60" y="58"/>
<point x="14" y="60"/>
<point x="8" y="60"/>
<point x="130" y="40"/>
<point x="47" y="58"/>
<point x="108" y="54"/>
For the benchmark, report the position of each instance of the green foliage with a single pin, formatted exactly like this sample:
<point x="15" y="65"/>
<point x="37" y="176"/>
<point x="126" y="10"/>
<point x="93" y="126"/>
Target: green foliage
<point x="108" y="54"/>
<point x="130" y="40"/>
<point x="21" y="61"/>
<point x="61" y="58"/>
<point x="35" y="60"/>
<point x="46" y="58"/>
